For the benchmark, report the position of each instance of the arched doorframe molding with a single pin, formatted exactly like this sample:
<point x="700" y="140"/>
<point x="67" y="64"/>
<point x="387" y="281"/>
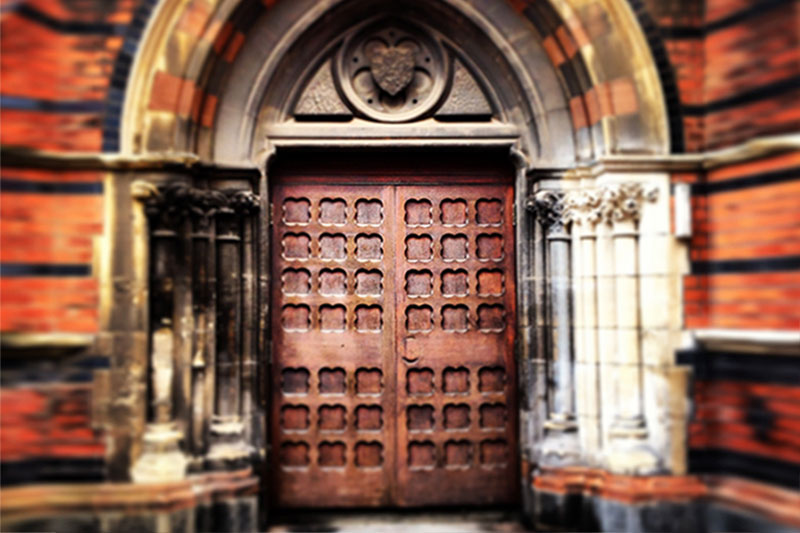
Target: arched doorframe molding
<point x="571" y="83"/>
<point x="583" y="70"/>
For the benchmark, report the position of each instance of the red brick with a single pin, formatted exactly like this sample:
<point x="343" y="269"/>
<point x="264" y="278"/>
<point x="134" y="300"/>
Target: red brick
<point x="235" y="44"/>
<point x="209" y="110"/>
<point x="165" y="91"/>
<point x="553" y="51"/>
<point x="758" y="166"/>
<point x="623" y="96"/>
<point x="566" y="41"/>
<point x="58" y="175"/>
<point x="578" y="113"/>
<point x="222" y="37"/>
<point x="46" y="131"/>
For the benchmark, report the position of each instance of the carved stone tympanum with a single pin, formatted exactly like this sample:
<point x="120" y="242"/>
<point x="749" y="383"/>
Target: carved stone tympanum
<point x="391" y="70"/>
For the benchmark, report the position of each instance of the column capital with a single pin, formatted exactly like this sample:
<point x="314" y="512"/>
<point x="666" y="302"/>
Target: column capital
<point x="623" y="202"/>
<point x="174" y="201"/>
<point x="583" y="207"/>
<point x="551" y="210"/>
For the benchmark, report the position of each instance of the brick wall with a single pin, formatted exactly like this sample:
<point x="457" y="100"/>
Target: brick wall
<point x="746" y="419"/>
<point x="745" y="247"/>
<point x="46" y="434"/>
<point x="50" y="221"/>
<point x="57" y="63"/>
<point x="737" y="66"/>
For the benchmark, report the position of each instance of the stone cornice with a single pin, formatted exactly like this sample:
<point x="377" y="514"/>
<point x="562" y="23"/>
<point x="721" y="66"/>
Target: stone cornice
<point x="623" y="488"/>
<point x="642" y="163"/>
<point x="775" y="502"/>
<point x="184" y="161"/>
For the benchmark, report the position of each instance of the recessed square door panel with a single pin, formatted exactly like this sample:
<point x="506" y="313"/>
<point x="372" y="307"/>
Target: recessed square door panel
<point x="393" y="381"/>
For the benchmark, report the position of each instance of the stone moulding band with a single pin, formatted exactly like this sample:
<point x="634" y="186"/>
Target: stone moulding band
<point x="777" y="503"/>
<point x="21" y="502"/>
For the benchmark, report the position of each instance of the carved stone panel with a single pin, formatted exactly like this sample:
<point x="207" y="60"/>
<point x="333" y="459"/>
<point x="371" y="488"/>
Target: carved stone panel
<point x="391" y="70"/>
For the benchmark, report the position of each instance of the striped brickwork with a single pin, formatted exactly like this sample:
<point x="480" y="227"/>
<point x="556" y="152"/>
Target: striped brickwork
<point x="46" y="434"/>
<point x="737" y="65"/>
<point x="57" y="66"/>
<point x="51" y="220"/>
<point x="746" y="419"/>
<point x="745" y="247"/>
<point x="182" y="102"/>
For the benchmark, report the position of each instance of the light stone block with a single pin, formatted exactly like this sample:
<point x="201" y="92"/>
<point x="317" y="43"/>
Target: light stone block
<point x="658" y="346"/>
<point x="608" y="394"/>
<point x="655" y="217"/>
<point x="678" y="452"/>
<point x="607" y="345"/>
<point x="589" y="436"/>
<point x="627" y="304"/>
<point x="655" y="255"/>
<point x="626" y="261"/>
<point x="658" y="298"/>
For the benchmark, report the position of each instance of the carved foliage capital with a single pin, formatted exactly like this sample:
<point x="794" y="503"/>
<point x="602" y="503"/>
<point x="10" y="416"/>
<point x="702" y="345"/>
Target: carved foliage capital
<point x="175" y="201"/>
<point x="551" y="210"/>
<point x="243" y="202"/>
<point x="584" y="206"/>
<point x="623" y="202"/>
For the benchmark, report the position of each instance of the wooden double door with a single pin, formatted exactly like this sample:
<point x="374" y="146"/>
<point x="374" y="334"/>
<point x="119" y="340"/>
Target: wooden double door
<point x="393" y="377"/>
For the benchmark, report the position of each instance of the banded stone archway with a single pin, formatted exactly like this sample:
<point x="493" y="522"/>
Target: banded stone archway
<point x="568" y="88"/>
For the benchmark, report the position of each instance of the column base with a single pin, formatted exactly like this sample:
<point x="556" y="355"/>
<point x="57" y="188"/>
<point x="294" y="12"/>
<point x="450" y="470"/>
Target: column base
<point x="161" y="459"/>
<point x="228" y="449"/>
<point x="629" y="452"/>
<point x="560" y="446"/>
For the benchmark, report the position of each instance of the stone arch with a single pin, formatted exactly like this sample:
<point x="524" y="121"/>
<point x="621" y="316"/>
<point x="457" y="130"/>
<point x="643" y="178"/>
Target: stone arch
<point x="577" y="78"/>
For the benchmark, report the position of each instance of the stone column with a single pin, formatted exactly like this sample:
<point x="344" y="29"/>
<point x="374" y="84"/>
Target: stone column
<point x="584" y="206"/>
<point x="629" y="451"/>
<point x="560" y="445"/>
<point x="229" y="448"/>
<point x="204" y="207"/>
<point x="162" y="458"/>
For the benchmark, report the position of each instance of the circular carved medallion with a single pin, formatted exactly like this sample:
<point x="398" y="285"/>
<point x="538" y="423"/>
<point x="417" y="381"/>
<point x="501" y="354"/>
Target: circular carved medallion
<point x="392" y="71"/>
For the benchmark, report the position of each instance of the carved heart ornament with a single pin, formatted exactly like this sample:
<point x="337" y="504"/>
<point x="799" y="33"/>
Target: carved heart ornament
<point x="392" y="67"/>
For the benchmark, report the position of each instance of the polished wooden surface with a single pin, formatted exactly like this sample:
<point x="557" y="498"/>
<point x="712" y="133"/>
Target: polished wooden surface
<point x="393" y="379"/>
